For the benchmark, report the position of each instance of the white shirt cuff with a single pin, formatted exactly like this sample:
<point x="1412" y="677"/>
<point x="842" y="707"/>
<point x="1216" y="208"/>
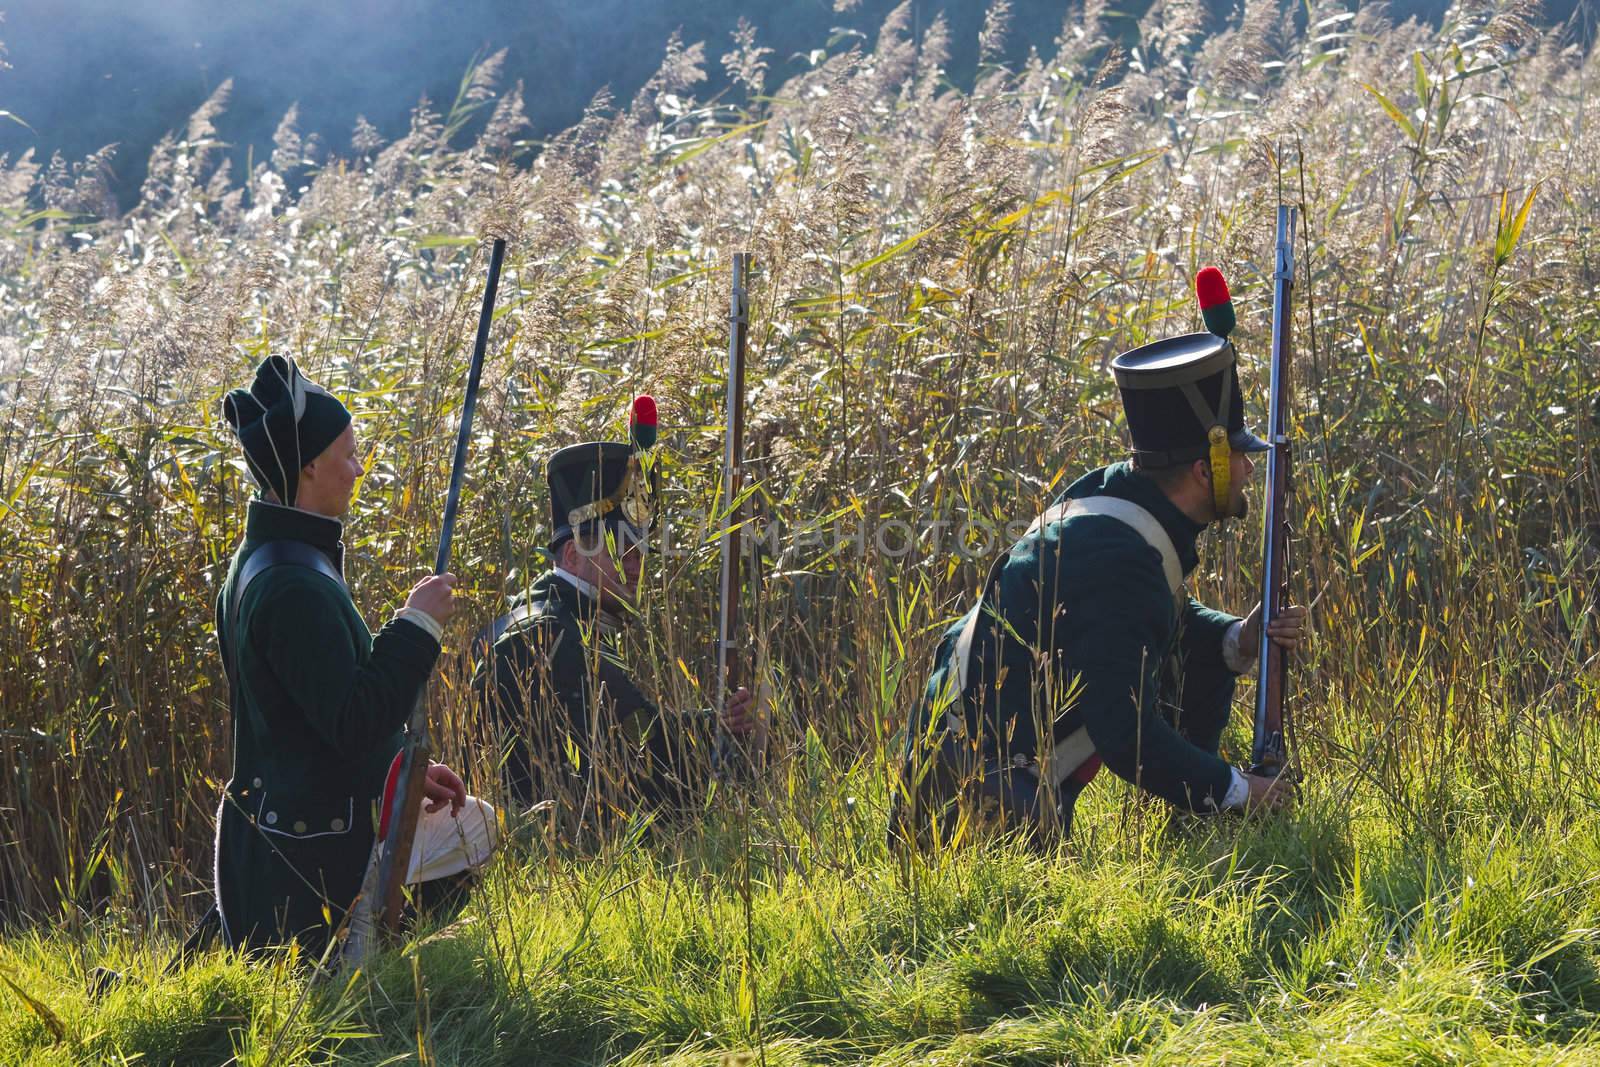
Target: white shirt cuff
<point x="1238" y="792"/>
<point x="1238" y="658"/>
<point x="421" y="618"/>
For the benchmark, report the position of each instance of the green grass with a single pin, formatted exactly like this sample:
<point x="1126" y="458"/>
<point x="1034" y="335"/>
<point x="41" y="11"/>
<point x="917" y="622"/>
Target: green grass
<point x="1324" y="937"/>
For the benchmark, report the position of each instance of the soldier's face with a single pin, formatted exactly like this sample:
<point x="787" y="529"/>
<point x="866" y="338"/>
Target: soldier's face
<point x="622" y="562"/>
<point x="328" y="483"/>
<point x="612" y="563"/>
<point x="631" y="564"/>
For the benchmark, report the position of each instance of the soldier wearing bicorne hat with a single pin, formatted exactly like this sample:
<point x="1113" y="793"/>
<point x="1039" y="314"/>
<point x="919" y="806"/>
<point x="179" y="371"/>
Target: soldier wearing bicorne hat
<point x="318" y="700"/>
<point x="1084" y="649"/>
<point x="573" y="721"/>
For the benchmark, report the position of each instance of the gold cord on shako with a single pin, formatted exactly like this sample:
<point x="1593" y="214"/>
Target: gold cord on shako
<point x="1216" y="307"/>
<point x="641" y="487"/>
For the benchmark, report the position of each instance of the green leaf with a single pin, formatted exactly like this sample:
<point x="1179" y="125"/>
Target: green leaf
<point x="51" y="1021"/>
<point x="445" y="240"/>
<point x="45" y="213"/>
<point x="635" y="338"/>
<point x="172" y="247"/>
<point x="1510" y="229"/>
<point x="711" y="142"/>
<point x="21" y="487"/>
<point x="903" y="246"/>
<point x="1395" y="113"/>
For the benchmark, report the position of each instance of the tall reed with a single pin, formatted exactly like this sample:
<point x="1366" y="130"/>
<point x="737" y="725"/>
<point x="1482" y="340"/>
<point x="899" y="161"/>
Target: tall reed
<point x="942" y="278"/>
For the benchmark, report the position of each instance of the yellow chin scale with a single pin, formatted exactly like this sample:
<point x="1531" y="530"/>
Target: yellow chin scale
<point x="1221" y="469"/>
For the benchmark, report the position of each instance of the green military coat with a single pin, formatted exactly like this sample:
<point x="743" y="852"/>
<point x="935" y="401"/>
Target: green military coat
<point x="571" y="714"/>
<point x="318" y="709"/>
<point x="1079" y="644"/>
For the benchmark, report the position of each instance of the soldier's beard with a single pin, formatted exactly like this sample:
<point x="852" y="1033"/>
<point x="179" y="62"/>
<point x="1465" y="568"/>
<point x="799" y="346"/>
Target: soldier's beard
<point x="1240" y="507"/>
<point x="618" y="595"/>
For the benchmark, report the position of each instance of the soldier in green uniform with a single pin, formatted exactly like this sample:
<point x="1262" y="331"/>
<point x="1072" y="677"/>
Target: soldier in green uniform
<point x="318" y="701"/>
<point x="1084" y="648"/>
<point x="573" y="721"/>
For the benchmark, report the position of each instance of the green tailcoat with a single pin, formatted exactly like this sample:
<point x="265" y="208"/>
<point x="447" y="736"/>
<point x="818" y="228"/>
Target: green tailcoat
<point x="318" y="709"/>
<point x="1080" y="630"/>
<point x="571" y="714"/>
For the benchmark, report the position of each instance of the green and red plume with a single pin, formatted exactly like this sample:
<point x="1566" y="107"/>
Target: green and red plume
<point x="642" y="421"/>
<point x="1216" y="306"/>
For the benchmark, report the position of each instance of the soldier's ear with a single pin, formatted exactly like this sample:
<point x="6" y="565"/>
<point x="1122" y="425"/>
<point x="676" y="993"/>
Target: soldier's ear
<point x="575" y="553"/>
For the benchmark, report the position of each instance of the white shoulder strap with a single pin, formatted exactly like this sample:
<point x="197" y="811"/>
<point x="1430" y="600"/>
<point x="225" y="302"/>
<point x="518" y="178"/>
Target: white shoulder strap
<point x="1124" y="511"/>
<point x="1129" y="514"/>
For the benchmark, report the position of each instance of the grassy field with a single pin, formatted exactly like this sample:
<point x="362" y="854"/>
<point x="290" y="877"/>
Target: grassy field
<point x="1326" y="939"/>
<point x="942" y="276"/>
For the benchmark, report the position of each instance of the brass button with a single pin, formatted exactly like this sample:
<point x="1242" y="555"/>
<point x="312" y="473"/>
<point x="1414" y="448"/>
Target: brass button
<point x="299" y="826"/>
<point x="272" y="818"/>
<point x="336" y="825"/>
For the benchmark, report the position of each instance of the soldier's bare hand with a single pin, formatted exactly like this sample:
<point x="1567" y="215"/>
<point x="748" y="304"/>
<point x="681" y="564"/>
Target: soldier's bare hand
<point x="1267" y="794"/>
<point x="740" y="717"/>
<point x="435" y="595"/>
<point x="1286" y="631"/>
<point x="442" y="786"/>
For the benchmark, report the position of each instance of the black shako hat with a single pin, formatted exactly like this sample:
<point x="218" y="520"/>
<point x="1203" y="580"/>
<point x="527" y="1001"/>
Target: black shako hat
<point x="284" y="421"/>
<point x="599" y="483"/>
<point x="1174" y="391"/>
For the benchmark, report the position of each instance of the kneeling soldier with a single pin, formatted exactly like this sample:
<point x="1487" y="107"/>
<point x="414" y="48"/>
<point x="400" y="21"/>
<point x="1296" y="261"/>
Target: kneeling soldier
<point x="318" y="701"/>
<point x="1084" y="648"/>
<point x="572" y="719"/>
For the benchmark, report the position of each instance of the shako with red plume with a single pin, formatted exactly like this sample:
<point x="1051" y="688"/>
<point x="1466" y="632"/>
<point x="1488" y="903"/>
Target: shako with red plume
<point x="642" y="421"/>
<point x="1216" y="305"/>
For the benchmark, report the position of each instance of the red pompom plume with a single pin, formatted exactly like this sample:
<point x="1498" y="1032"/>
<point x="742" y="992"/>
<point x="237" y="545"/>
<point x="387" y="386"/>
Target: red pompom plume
<point x="1211" y="287"/>
<point x="1216" y="306"/>
<point x="642" y="420"/>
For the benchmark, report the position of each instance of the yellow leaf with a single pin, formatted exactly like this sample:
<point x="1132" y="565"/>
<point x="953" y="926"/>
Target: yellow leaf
<point x="51" y="1021"/>
<point x="1393" y="112"/>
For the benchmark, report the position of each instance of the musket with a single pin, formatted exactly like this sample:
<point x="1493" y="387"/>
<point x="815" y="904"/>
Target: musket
<point x="418" y="750"/>
<point x="730" y="663"/>
<point x="1268" y="755"/>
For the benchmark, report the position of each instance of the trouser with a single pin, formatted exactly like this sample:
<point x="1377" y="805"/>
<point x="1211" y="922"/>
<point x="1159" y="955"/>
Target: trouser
<point x="666" y="769"/>
<point x="941" y="784"/>
<point x="1198" y="704"/>
<point x="951" y="788"/>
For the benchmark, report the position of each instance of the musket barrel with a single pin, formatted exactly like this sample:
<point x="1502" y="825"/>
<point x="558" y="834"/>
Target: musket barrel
<point x="1268" y="751"/>
<point x="728" y="665"/>
<point x="396" y="855"/>
<point x="458" y="466"/>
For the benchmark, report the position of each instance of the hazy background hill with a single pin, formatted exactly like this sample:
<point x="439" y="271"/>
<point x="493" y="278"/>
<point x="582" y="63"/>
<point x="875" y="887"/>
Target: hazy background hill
<point x="87" y="73"/>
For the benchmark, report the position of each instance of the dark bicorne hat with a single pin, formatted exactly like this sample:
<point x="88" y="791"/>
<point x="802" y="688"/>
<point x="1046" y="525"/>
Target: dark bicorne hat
<point x="1174" y="391"/>
<point x="284" y="421"/>
<point x="600" y="484"/>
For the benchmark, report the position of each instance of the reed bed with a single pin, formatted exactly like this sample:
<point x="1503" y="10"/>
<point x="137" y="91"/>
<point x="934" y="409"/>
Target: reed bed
<point x="942" y="276"/>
